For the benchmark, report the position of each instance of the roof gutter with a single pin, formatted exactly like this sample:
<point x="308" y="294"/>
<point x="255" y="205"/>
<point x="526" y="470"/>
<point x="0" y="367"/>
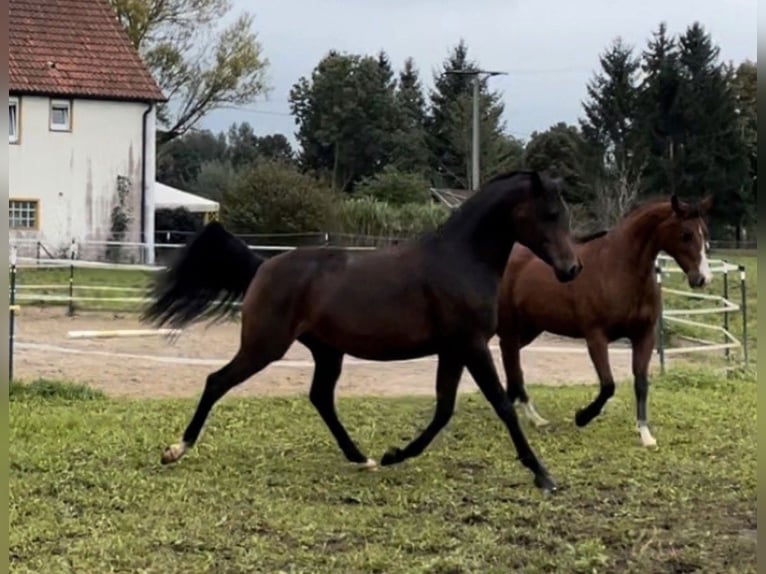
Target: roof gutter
<point x="144" y="140"/>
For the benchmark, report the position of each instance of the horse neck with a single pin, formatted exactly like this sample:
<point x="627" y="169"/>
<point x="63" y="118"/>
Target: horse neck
<point x="485" y="229"/>
<point x="640" y="240"/>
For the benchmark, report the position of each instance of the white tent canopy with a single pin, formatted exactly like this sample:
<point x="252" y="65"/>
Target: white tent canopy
<point x="166" y="197"/>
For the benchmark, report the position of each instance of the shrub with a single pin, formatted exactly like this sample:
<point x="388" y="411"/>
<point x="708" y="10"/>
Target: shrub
<point x="395" y="187"/>
<point x="272" y="197"/>
<point x="367" y="216"/>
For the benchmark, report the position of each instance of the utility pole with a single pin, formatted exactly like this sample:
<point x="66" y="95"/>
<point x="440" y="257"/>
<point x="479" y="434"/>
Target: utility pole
<point x="475" y="132"/>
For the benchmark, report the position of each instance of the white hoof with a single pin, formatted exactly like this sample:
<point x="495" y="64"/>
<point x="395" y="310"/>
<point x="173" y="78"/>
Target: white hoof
<point x="533" y="416"/>
<point x="647" y="439"/>
<point x="369" y="465"/>
<point x="174" y="452"/>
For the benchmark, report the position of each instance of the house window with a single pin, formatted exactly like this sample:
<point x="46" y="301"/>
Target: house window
<point x="23" y="213"/>
<point x="61" y="115"/>
<point x="13" y="120"/>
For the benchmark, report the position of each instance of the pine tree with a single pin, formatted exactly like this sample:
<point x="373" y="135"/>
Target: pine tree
<point x="660" y="117"/>
<point x="410" y="153"/>
<point x="449" y="125"/>
<point x="610" y="129"/>
<point x="712" y="157"/>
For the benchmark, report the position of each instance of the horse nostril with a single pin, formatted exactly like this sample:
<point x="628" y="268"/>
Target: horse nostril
<point x="574" y="270"/>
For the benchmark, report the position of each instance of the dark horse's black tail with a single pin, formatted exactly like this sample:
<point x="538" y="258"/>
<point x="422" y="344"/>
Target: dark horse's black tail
<point x="207" y="280"/>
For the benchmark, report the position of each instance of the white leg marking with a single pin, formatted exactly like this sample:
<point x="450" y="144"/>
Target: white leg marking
<point x="704" y="267"/>
<point x="532" y="415"/>
<point x="368" y="465"/>
<point x="174" y="452"/>
<point x="646" y="436"/>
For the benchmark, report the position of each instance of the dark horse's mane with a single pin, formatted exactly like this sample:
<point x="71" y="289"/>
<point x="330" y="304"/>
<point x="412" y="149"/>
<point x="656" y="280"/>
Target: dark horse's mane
<point x="472" y="206"/>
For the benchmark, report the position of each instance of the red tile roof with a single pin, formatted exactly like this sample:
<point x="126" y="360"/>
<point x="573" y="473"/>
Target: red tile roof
<point x="74" y="48"/>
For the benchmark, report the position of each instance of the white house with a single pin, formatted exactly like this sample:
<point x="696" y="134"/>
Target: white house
<point x="81" y="127"/>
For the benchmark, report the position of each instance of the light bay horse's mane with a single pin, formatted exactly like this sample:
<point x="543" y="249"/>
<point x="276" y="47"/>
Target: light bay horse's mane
<point x="638" y="209"/>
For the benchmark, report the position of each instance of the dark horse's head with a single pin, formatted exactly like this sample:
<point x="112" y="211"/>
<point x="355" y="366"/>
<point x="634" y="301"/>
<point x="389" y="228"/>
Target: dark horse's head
<point x="542" y="223"/>
<point x="684" y="237"/>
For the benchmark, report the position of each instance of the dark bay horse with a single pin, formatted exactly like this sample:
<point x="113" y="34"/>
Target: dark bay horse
<point x="616" y="296"/>
<point x="436" y="295"/>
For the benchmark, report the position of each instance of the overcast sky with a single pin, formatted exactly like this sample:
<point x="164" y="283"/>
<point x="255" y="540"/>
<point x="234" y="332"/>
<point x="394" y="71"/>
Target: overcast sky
<point x="549" y="48"/>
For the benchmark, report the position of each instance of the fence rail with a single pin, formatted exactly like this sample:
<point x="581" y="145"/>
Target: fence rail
<point x="133" y="252"/>
<point x="73" y="294"/>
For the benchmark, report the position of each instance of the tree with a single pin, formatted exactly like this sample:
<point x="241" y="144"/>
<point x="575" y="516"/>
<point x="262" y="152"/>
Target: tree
<point x="216" y="178"/>
<point x="661" y="122"/>
<point x="712" y="156"/>
<point x="245" y="148"/>
<point x="613" y="154"/>
<point x="179" y="161"/>
<point x="559" y="151"/>
<point x="745" y="85"/>
<point x="409" y="146"/>
<point x="274" y="198"/>
<point x="450" y="123"/>
<point x="275" y="147"/>
<point x="345" y="115"/>
<point x="198" y="66"/>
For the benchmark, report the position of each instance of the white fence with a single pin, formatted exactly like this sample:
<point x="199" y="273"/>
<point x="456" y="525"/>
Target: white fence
<point x="135" y="296"/>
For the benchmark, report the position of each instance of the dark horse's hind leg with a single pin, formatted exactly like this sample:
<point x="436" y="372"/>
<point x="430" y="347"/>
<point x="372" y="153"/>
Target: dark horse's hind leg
<point x="447" y="379"/>
<point x="598" y="348"/>
<point x="246" y="363"/>
<point x="322" y="395"/>
<point x="510" y="346"/>
<point x="482" y="369"/>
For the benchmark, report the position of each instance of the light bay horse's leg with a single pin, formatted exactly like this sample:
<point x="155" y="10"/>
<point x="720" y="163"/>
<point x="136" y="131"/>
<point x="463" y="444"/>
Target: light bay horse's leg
<point x="643" y="347"/>
<point x="598" y="349"/>
<point x="510" y="346"/>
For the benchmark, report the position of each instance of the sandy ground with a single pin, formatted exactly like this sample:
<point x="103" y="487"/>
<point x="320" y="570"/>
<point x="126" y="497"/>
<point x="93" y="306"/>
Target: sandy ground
<point x="157" y="367"/>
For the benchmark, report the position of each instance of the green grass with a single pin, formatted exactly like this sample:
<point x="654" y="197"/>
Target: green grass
<point x="267" y="490"/>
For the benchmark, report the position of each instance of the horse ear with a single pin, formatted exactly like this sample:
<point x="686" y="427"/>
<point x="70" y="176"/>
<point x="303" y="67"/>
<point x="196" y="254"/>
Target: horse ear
<point x="679" y="207"/>
<point x="706" y="204"/>
<point x="537" y="182"/>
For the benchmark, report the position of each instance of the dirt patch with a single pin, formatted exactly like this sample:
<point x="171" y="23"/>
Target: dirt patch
<point x="156" y="367"/>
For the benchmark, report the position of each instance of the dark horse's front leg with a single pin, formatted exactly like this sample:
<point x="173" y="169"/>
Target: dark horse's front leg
<point x="447" y="380"/>
<point x="482" y="369"/>
<point x="598" y="348"/>
<point x="643" y="347"/>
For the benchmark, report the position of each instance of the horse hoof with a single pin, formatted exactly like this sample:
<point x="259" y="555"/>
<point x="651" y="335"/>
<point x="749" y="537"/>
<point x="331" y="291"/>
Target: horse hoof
<point x="647" y="440"/>
<point x="546" y="484"/>
<point x="369" y="465"/>
<point x="540" y="423"/>
<point x="393" y="455"/>
<point x="173" y="453"/>
<point x="581" y="418"/>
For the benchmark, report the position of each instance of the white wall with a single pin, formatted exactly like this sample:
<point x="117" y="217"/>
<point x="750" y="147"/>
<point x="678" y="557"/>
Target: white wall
<point x="74" y="174"/>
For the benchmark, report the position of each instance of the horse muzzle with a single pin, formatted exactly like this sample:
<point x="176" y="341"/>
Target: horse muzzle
<point x="568" y="273"/>
<point x="697" y="280"/>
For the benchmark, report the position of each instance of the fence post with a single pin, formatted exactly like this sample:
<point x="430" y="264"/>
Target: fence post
<point x="12" y="318"/>
<point x="660" y="324"/>
<point x="726" y="314"/>
<point x="744" y="312"/>
<point x="71" y="279"/>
